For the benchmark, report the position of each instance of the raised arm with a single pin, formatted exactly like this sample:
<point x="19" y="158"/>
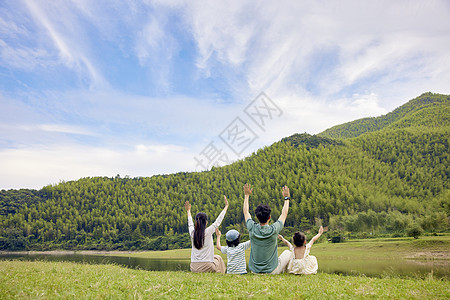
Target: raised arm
<point x="287" y="197"/>
<point x="247" y="191"/>
<point x="191" y="226"/>
<point x="317" y="236"/>
<point x="187" y="205"/>
<point x="285" y="241"/>
<point x="218" y="233"/>
<point x="219" y="219"/>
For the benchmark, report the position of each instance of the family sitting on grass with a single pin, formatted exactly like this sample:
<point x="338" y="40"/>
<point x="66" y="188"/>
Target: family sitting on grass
<point x="263" y="242"/>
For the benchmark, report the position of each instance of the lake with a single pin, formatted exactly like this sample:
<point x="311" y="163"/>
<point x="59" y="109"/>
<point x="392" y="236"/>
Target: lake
<point x="368" y="267"/>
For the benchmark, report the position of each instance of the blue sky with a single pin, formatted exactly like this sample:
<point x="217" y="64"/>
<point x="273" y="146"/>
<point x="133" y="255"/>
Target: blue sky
<point x="138" y="88"/>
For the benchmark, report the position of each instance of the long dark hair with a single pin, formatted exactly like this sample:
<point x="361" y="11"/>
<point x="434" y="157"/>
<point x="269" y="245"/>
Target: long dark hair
<point x="199" y="231"/>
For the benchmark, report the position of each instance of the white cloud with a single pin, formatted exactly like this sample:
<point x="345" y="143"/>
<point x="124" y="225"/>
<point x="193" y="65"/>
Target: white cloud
<point x="312" y="115"/>
<point x="322" y="62"/>
<point x="220" y="31"/>
<point x="273" y="42"/>
<point x="23" y="58"/>
<point x="39" y="166"/>
<point x="58" y="39"/>
<point x="58" y="128"/>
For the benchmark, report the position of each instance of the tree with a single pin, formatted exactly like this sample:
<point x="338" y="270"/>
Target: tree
<point x="414" y="231"/>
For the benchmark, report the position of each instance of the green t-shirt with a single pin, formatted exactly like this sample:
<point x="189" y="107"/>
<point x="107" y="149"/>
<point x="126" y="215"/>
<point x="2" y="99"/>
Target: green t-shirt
<point x="264" y="250"/>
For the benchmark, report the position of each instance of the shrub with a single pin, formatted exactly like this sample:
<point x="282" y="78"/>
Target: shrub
<point x="414" y="231"/>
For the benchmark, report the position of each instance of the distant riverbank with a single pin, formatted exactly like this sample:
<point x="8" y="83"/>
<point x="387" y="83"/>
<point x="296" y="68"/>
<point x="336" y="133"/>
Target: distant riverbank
<point x="68" y="252"/>
<point x="425" y="248"/>
<point x="401" y="257"/>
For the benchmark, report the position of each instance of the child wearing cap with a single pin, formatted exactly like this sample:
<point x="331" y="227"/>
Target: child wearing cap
<point x="235" y="251"/>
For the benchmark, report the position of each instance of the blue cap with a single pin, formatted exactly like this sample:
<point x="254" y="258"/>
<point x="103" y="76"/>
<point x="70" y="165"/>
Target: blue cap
<point x="232" y="235"/>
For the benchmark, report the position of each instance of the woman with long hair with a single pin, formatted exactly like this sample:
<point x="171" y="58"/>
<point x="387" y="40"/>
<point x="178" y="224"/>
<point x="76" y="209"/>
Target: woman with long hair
<point x="202" y="254"/>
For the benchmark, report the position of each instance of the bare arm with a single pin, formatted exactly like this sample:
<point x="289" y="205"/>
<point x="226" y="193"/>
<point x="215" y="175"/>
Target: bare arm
<point x="287" y="197"/>
<point x="187" y="205"/>
<point x="220" y="217"/>
<point x="218" y="233"/>
<point x="226" y="201"/>
<point x="285" y="241"/>
<point x="247" y="191"/>
<point x="191" y="226"/>
<point x="317" y="236"/>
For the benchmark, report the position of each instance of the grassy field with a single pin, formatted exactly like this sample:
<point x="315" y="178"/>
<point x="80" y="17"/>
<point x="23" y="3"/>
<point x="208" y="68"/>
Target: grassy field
<point x="64" y="280"/>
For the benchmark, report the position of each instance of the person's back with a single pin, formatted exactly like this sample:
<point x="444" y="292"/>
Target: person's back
<point x="202" y="252"/>
<point x="306" y="265"/>
<point x="235" y="251"/>
<point x="263" y="237"/>
<point x="300" y="262"/>
<point x="264" y="251"/>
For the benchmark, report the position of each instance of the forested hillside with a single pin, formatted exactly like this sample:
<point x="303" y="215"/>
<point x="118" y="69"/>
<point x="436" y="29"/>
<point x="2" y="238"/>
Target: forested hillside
<point x="392" y="175"/>
<point x="412" y="111"/>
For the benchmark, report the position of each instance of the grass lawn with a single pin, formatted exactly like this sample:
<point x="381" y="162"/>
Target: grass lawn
<point x="65" y="280"/>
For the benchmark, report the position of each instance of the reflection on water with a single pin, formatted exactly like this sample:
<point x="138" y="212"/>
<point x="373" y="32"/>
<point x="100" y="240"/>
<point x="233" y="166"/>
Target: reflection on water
<point x="131" y="262"/>
<point x="368" y="267"/>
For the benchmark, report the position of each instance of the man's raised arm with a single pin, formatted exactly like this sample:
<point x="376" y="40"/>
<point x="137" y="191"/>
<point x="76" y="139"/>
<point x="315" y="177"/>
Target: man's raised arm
<point x="287" y="197"/>
<point x="247" y="191"/>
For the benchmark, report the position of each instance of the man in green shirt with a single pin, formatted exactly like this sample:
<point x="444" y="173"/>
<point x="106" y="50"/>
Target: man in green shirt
<point x="264" y="251"/>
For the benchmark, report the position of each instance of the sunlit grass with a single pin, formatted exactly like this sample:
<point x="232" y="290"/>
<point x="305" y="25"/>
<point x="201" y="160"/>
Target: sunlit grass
<point x="62" y="280"/>
<point x="392" y="248"/>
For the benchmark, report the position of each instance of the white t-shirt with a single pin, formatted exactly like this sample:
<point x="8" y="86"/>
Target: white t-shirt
<point x="236" y="258"/>
<point x="306" y="265"/>
<point x="206" y="253"/>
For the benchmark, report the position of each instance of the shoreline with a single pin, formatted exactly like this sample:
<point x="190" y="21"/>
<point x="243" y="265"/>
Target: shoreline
<point x="69" y="252"/>
<point x="418" y="256"/>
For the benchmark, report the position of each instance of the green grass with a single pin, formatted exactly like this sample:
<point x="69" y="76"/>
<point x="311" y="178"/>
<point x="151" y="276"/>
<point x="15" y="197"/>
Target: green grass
<point x="64" y="280"/>
<point x="393" y="248"/>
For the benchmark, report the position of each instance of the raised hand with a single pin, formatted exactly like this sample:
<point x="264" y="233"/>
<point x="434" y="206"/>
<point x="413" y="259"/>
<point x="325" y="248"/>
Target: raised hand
<point x="247" y="189"/>
<point x="218" y="233"/>
<point x="226" y="200"/>
<point x="285" y="192"/>
<point x="321" y="230"/>
<point x="187" y="205"/>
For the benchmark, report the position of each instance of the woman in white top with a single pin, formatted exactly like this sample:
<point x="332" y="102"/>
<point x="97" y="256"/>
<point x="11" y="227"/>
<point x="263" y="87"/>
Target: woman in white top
<point x="202" y="254"/>
<point x="300" y="261"/>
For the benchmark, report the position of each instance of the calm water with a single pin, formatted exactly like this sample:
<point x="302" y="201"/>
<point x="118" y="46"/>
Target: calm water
<point x="368" y="267"/>
<point x="149" y="264"/>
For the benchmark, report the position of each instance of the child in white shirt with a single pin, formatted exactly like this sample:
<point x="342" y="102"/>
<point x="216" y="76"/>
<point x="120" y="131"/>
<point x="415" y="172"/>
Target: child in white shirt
<point x="235" y="251"/>
<point x="300" y="261"/>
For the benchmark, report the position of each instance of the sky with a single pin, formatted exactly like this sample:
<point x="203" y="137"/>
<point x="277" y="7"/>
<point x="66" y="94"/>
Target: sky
<point x="140" y="88"/>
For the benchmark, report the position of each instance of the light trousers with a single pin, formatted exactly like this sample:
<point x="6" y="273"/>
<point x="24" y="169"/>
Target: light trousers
<point x="283" y="261"/>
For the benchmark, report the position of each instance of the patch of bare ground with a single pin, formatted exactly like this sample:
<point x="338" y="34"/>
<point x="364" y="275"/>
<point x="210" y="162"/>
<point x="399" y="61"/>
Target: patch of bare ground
<point x="444" y="255"/>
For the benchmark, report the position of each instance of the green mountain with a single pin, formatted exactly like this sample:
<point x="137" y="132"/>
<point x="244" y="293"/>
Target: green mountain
<point x="382" y="176"/>
<point x="429" y="110"/>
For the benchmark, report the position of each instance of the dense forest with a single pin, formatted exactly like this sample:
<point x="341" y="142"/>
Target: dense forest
<point x="376" y="176"/>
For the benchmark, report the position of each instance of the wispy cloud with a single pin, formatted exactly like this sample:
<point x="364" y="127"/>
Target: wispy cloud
<point x="274" y="42"/>
<point x="130" y="81"/>
<point x="71" y="162"/>
<point x="62" y="27"/>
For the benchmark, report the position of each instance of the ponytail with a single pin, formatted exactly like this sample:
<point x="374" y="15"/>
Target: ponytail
<point x="299" y="239"/>
<point x="199" y="231"/>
